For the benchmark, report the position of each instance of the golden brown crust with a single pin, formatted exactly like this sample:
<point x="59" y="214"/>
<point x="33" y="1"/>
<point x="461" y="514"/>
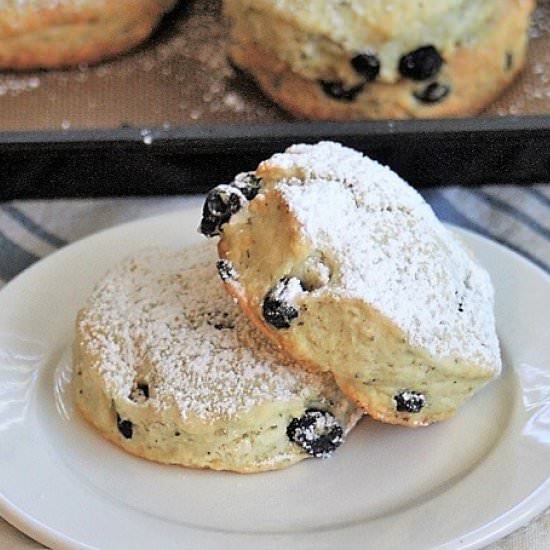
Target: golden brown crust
<point x="66" y="33"/>
<point x="477" y="73"/>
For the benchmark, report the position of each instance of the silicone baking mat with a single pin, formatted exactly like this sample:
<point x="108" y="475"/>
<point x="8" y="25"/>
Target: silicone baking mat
<point x="181" y="77"/>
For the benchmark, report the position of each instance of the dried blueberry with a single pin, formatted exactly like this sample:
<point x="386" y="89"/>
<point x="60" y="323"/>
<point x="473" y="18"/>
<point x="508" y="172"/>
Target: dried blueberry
<point x="221" y="203"/>
<point x="317" y="432"/>
<point x="125" y="427"/>
<point x="367" y="65"/>
<point x="336" y="89"/>
<point x="248" y="184"/>
<point x="409" y="401"/>
<point x="140" y="393"/>
<point x="420" y="64"/>
<point x="226" y="270"/>
<point x="277" y="308"/>
<point x="432" y="93"/>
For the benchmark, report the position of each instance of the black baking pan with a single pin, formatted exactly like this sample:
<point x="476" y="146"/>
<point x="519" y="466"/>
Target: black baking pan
<point x="192" y="159"/>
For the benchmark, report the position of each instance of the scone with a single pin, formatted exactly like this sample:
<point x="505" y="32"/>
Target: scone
<point x="47" y="34"/>
<point x="378" y="59"/>
<point x="348" y="270"/>
<point x="168" y="368"/>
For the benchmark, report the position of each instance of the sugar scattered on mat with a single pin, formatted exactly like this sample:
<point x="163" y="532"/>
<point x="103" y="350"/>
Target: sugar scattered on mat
<point x="195" y="47"/>
<point x="14" y="85"/>
<point x="530" y="94"/>
<point x="190" y="47"/>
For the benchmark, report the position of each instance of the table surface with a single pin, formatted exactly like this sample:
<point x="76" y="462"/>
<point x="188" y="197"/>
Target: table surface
<point x="518" y="217"/>
<point x="184" y="78"/>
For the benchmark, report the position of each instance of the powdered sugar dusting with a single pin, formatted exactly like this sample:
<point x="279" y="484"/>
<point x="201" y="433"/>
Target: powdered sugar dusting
<point x="392" y="251"/>
<point x="287" y="291"/>
<point x="154" y="319"/>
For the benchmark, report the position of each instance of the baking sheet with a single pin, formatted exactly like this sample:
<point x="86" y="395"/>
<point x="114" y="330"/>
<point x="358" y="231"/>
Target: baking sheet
<point x="181" y="77"/>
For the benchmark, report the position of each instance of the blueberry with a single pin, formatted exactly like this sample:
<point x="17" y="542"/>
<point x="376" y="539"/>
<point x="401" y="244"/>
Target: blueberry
<point x="367" y="65"/>
<point x="248" y="184"/>
<point x="221" y="203"/>
<point x="140" y="393"/>
<point x="409" y="401"/>
<point x="276" y="309"/>
<point x="125" y="427"/>
<point x="432" y="93"/>
<point x="226" y="270"/>
<point x="317" y="432"/>
<point x="337" y="90"/>
<point x="420" y="64"/>
<point x="209" y="226"/>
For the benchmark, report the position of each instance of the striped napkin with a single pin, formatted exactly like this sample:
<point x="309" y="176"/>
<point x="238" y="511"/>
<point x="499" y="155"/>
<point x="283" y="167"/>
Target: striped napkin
<point x="518" y="217"/>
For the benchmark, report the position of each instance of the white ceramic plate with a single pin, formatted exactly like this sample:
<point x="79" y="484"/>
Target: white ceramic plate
<point x="462" y="483"/>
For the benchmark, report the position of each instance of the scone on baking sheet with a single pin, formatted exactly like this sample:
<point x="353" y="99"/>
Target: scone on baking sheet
<point x="59" y="33"/>
<point x="168" y="368"/>
<point x="346" y="267"/>
<point x="380" y="58"/>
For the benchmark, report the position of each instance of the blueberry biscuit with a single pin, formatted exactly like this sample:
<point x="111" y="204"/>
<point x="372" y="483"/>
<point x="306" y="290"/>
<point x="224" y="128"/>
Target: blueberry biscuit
<point x="59" y="33"/>
<point x="345" y="267"/>
<point x="167" y="367"/>
<point x="380" y="58"/>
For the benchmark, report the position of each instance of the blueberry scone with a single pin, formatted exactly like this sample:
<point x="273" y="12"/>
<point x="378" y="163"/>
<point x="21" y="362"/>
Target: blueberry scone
<point x="60" y="33"/>
<point x="380" y="58"/>
<point x="348" y="270"/>
<point x="168" y="368"/>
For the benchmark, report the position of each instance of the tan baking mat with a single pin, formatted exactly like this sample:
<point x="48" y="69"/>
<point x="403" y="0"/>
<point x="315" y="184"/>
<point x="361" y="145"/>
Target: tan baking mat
<point x="182" y="77"/>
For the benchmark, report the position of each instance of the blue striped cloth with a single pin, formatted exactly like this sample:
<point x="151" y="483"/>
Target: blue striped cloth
<point x="30" y="230"/>
<point x="518" y="217"/>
